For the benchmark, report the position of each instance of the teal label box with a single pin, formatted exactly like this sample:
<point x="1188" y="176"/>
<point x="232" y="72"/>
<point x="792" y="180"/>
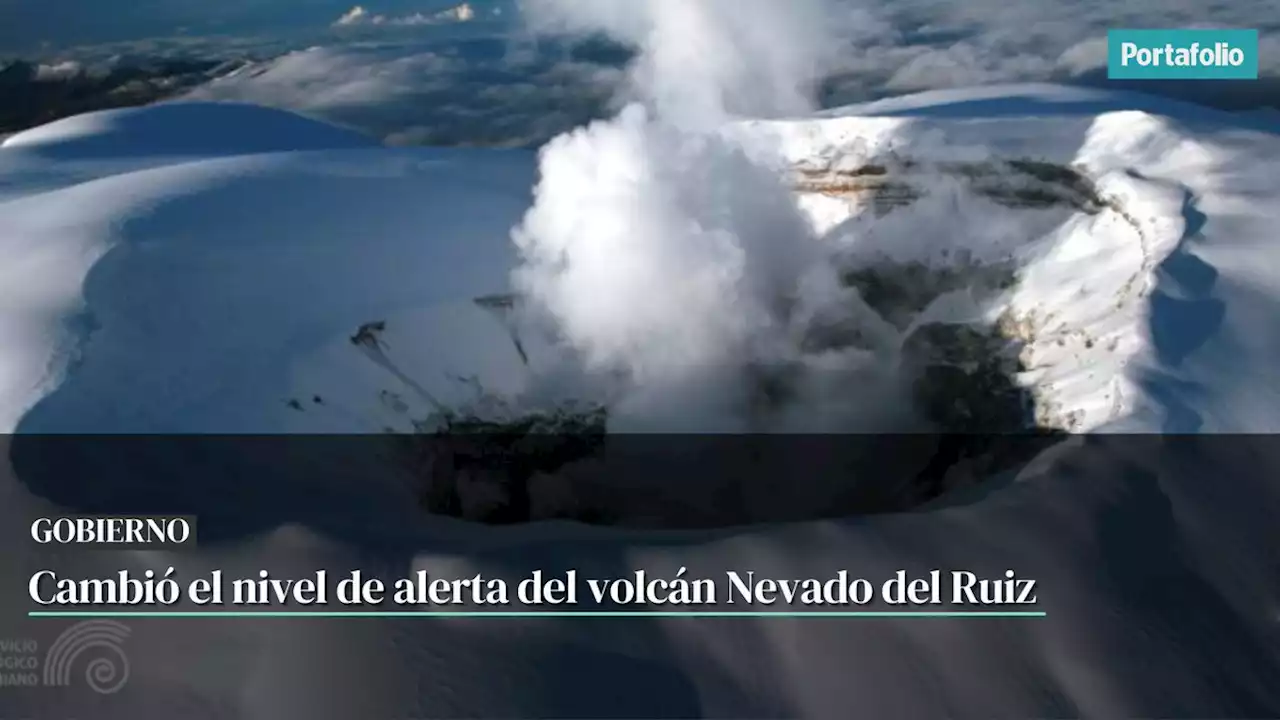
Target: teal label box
<point x="1182" y="54"/>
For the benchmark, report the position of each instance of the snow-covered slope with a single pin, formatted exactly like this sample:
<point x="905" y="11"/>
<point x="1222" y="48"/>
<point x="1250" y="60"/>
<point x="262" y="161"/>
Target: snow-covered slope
<point x="237" y="256"/>
<point x="216" y="284"/>
<point x="192" y="129"/>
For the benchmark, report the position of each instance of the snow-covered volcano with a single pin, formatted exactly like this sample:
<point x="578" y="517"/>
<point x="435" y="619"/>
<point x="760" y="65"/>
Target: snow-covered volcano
<point x="198" y="268"/>
<point x="204" y="268"/>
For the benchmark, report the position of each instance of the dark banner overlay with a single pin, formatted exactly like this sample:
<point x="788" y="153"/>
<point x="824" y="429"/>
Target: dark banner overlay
<point x="241" y="484"/>
<point x="347" y="485"/>
<point x="198" y="567"/>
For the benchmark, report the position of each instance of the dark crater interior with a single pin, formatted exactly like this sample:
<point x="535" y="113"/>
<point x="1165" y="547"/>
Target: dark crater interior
<point x="980" y="425"/>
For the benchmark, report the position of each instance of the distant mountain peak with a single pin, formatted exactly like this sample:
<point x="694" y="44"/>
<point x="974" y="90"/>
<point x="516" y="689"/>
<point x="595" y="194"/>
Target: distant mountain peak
<point x="359" y="15"/>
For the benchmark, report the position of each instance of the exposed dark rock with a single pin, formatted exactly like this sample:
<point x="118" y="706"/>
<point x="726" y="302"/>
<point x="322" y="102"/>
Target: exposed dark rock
<point x="31" y="97"/>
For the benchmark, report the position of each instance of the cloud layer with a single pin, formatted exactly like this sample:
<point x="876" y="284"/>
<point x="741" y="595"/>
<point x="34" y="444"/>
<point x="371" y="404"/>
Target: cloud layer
<point x="860" y="50"/>
<point x="478" y="92"/>
<point x="490" y="82"/>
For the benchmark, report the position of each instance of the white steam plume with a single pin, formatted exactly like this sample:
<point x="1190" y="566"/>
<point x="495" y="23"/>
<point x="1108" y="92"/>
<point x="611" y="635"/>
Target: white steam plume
<point x="701" y="59"/>
<point x="665" y="251"/>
